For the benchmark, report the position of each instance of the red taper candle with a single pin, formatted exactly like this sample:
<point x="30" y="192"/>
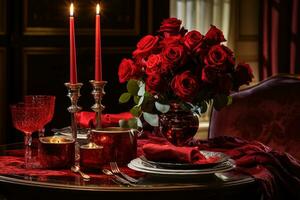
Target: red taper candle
<point x="73" y="65"/>
<point x="98" y="59"/>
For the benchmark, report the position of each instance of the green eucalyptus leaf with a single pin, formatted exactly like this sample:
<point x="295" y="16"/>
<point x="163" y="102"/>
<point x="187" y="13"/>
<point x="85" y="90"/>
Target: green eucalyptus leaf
<point x="135" y="111"/>
<point x="124" y="98"/>
<point x="132" y="123"/>
<point x="133" y="87"/>
<point x="123" y="123"/>
<point x="142" y="89"/>
<point x="136" y="99"/>
<point x="139" y="122"/>
<point x="141" y="100"/>
<point x="163" y="108"/>
<point x="152" y="119"/>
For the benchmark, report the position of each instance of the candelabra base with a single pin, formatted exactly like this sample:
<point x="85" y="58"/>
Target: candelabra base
<point x="98" y="93"/>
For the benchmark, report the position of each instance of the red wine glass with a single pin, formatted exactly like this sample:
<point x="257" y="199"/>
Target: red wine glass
<point x="46" y="101"/>
<point x="27" y="118"/>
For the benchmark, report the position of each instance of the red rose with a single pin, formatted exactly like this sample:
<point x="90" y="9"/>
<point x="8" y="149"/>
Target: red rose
<point x="154" y="83"/>
<point x="185" y="86"/>
<point x="222" y="81"/>
<point x="242" y="75"/>
<point x="214" y="36"/>
<point x="220" y="57"/>
<point x="128" y="70"/>
<point x="193" y="41"/>
<point x="174" y="56"/>
<point x="153" y="64"/>
<point x="140" y="62"/>
<point x="171" y="26"/>
<point x="146" y="45"/>
<point x="171" y="41"/>
<point x="209" y="74"/>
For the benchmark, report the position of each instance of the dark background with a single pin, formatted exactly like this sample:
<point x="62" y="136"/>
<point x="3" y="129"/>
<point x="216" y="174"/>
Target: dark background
<point x="34" y="51"/>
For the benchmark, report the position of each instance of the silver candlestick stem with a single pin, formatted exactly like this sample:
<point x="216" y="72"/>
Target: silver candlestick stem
<point x="98" y="92"/>
<point x="74" y="94"/>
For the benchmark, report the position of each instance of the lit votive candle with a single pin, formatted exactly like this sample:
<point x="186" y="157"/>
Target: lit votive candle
<point x="91" y="156"/>
<point x="56" y="152"/>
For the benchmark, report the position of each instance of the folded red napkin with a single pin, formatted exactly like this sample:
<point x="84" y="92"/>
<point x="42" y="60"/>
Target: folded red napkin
<point x="173" y="154"/>
<point x="87" y="119"/>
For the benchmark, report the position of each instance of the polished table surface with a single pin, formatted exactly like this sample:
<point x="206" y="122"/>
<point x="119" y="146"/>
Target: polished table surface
<point x="47" y="186"/>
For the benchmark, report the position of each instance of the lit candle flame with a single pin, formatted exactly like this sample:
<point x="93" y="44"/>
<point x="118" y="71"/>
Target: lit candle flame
<point x="71" y="9"/>
<point x="98" y="9"/>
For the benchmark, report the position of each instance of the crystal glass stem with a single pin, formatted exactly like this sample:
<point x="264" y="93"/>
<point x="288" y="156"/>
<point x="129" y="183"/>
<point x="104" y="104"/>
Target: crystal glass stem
<point x="41" y="132"/>
<point x="28" y="152"/>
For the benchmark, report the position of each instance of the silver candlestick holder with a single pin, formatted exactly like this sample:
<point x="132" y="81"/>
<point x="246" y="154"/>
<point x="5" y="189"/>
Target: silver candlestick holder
<point x="98" y="92"/>
<point x="74" y="94"/>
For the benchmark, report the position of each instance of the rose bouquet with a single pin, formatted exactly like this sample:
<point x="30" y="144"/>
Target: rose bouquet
<point x="175" y="65"/>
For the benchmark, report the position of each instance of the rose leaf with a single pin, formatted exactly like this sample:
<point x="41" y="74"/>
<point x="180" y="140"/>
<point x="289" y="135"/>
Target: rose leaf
<point x="124" y="97"/>
<point x="123" y="123"/>
<point x="135" y="111"/>
<point x="132" y="123"/>
<point x="136" y="99"/>
<point x="133" y="87"/>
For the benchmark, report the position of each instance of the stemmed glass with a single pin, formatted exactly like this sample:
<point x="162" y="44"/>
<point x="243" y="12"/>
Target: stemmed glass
<point x="48" y="103"/>
<point x="27" y="118"/>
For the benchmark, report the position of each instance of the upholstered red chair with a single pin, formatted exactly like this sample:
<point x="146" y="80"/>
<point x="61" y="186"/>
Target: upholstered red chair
<point x="268" y="112"/>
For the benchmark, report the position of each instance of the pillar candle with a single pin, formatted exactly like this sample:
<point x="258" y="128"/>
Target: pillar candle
<point x="98" y="59"/>
<point x="73" y="65"/>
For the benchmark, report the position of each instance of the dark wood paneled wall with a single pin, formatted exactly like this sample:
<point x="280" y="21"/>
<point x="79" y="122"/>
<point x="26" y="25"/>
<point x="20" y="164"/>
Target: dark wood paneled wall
<point x="3" y="75"/>
<point x="34" y="47"/>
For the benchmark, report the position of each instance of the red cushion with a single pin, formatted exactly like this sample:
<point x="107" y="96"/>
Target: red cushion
<point x="268" y="112"/>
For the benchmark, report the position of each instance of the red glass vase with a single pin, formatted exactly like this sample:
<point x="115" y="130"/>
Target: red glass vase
<point x="178" y="125"/>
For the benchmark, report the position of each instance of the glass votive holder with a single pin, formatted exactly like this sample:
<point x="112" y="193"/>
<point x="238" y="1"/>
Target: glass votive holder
<point x="119" y="144"/>
<point x="56" y="152"/>
<point x="91" y="156"/>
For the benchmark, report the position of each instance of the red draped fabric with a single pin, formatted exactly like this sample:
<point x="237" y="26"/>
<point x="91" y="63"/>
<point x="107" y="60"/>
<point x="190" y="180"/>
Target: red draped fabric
<point x="280" y="45"/>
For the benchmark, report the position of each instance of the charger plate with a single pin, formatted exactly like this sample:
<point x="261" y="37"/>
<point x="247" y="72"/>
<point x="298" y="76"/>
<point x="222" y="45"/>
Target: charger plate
<point x="219" y="157"/>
